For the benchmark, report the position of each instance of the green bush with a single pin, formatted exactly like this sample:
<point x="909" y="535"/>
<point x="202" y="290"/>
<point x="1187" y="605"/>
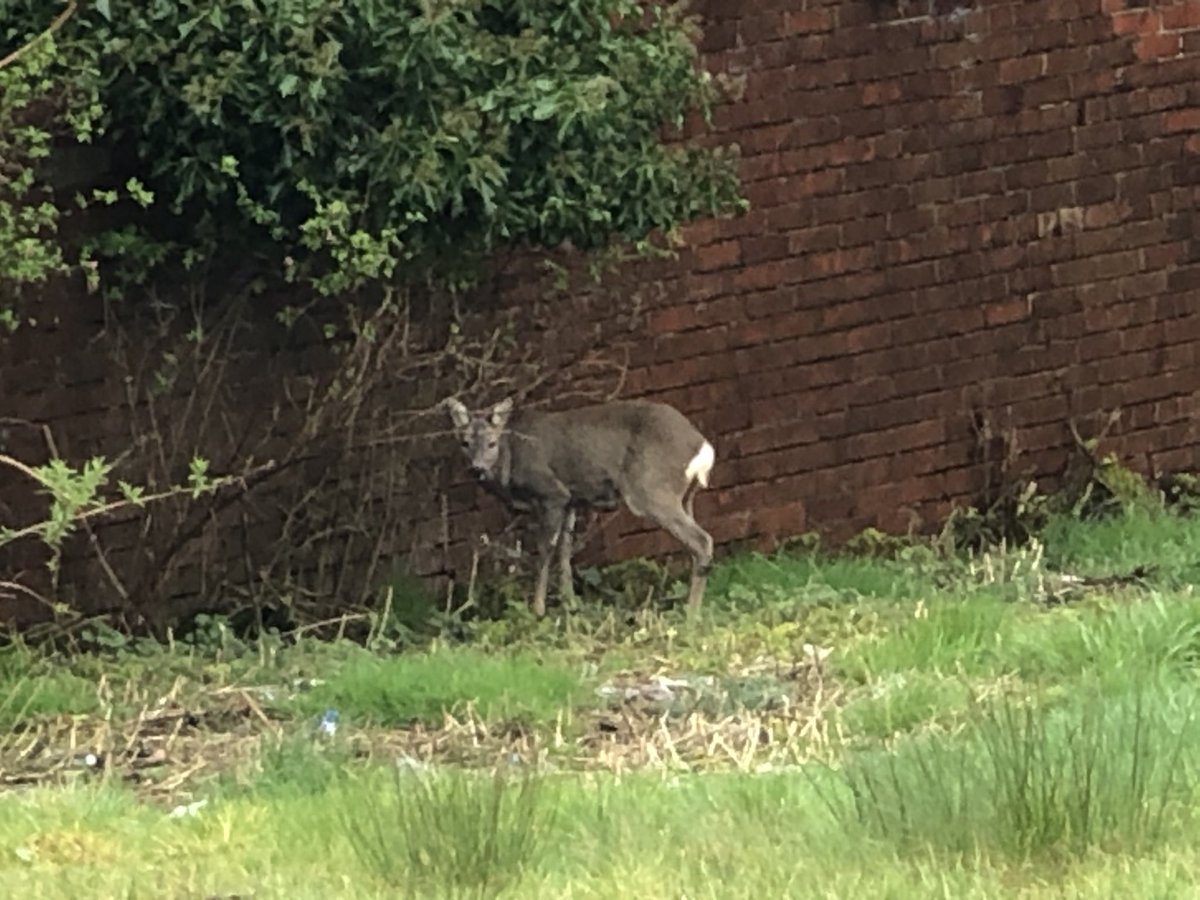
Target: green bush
<point x="348" y="141"/>
<point x="29" y="250"/>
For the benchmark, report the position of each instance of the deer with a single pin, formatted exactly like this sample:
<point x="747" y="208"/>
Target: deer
<point x="642" y="453"/>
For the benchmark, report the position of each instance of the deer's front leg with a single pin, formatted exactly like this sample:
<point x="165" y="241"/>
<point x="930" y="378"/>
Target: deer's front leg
<point x="566" y="584"/>
<point x="553" y="517"/>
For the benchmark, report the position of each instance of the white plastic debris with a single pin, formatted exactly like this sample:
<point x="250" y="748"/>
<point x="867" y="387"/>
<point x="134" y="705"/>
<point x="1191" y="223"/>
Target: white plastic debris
<point x="816" y="655"/>
<point x="410" y="763"/>
<point x="185" y="810"/>
<point x="328" y="724"/>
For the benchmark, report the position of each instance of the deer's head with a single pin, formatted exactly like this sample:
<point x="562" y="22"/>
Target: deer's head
<point x="480" y="434"/>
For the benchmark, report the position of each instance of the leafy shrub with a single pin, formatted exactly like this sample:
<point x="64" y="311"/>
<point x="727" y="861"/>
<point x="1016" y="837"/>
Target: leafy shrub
<point x="349" y="141"/>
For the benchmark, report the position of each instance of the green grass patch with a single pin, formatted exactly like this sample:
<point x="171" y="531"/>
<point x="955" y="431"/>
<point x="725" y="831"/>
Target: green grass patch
<point x="375" y="833"/>
<point x="424" y="686"/>
<point x="984" y="637"/>
<point x="745" y="583"/>
<point x="1026" y="781"/>
<point x="466" y="833"/>
<point x="903" y="702"/>
<point x="1164" y="543"/>
<point x="31" y="688"/>
<point x="947" y="636"/>
<point x="985" y="735"/>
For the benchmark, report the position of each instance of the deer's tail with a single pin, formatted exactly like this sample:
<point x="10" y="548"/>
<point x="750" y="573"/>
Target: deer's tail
<point x="701" y="465"/>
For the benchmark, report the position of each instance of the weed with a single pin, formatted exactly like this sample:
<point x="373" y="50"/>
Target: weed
<point x="475" y="834"/>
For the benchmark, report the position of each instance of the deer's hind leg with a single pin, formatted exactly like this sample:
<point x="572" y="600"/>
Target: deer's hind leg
<point x="674" y="513"/>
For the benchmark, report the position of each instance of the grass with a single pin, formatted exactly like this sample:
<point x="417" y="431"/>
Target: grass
<point x="716" y="836"/>
<point x="30" y="688"/>
<point x="469" y="833"/>
<point x="1028" y="781"/>
<point x="962" y="738"/>
<point x="422" y="687"/>
<point x="1161" y="542"/>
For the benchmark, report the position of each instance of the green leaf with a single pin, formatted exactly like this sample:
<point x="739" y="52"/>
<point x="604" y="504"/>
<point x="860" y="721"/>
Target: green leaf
<point x="545" y="108"/>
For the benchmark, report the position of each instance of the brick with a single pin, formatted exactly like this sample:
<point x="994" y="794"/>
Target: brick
<point x="868" y="337"/>
<point x="807" y="21"/>
<point x="1185" y="278"/>
<point x="721" y="255"/>
<point x="1089" y="191"/>
<point x="823" y="237"/>
<point x="673" y="319"/>
<point x="838" y="262"/>
<point x="1162" y="256"/>
<point x="1156" y="46"/>
<point x="1137" y="22"/>
<point x="1182" y="120"/>
<point x="767" y="274"/>
<point x="669" y="347"/>
<point x="1021" y="68"/>
<point x="1100" y="268"/>
<point x="1007" y="311"/>
<point x="835" y="317"/>
<point x="771" y="302"/>
<point x="1180" y="16"/>
<point x="880" y="92"/>
<point x="763" y="247"/>
<point x="1069" y="61"/>
<point x="755" y="332"/>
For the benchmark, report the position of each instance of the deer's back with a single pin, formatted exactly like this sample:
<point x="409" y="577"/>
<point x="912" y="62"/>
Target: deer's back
<point x="592" y="449"/>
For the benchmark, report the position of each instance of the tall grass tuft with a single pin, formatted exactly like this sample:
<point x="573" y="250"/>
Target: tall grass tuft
<point x="468" y="834"/>
<point x="1028" y="781"/>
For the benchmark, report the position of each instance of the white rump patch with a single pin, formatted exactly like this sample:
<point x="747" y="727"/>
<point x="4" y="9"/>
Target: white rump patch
<point x="701" y="465"/>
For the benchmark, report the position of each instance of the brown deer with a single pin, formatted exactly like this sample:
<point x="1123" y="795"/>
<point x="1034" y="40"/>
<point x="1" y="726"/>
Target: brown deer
<point x="645" y="454"/>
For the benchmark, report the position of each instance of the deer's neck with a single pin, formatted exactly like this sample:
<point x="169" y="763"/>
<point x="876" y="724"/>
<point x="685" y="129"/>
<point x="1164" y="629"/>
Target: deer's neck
<point x="504" y="463"/>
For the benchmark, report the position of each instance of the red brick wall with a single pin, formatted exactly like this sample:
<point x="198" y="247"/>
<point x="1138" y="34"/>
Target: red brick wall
<point x="959" y="210"/>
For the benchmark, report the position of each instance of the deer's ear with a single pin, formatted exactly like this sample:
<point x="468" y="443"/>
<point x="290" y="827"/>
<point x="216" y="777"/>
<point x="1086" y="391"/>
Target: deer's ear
<point x="501" y="411"/>
<point x="459" y="414"/>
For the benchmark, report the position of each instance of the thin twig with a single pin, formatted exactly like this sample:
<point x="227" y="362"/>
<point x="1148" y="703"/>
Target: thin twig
<point x="115" y="505"/>
<point x="58" y="23"/>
